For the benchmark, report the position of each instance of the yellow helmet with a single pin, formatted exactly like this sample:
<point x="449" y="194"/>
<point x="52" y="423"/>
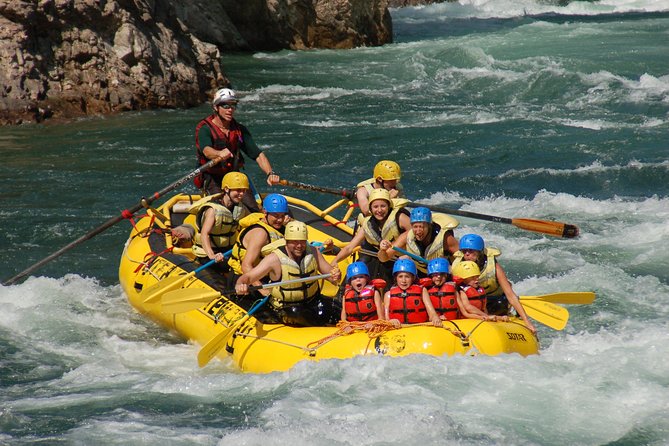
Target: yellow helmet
<point x="387" y="170"/>
<point x="296" y="230"/>
<point x="235" y="180"/>
<point x="465" y="270"/>
<point x="380" y="194"/>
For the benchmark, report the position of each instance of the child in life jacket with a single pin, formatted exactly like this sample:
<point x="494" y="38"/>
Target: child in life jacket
<point x="408" y="302"/>
<point x="471" y="296"/>
<point x="443" y="295"/>
<point x="361" y="299"/>
<point x="499" y="291"/>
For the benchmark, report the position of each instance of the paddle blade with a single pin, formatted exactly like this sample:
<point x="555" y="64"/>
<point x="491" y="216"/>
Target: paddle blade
<point x="549" y="314"/>
<point x="187" y="299"/>
<point x="212" y="347"/>
<point x="152" y="294"/>
<point x="217" y="343"/>
<point x="569" y="298"/>
<point x="554" y="228"/>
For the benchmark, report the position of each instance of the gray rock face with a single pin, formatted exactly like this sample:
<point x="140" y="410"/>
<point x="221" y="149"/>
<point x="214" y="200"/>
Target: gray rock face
<point x="69" y="58"/>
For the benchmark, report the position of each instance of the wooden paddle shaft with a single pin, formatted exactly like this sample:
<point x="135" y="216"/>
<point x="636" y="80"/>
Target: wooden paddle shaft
<point x="340" y="192"/>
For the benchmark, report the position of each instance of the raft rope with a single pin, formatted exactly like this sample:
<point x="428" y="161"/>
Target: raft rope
<point x="310" y="351"/>
<point x="471" y="341"/>
<point x="130" y="217"/>
<point x="374" y="329"/>
<point x="151" y="257"/>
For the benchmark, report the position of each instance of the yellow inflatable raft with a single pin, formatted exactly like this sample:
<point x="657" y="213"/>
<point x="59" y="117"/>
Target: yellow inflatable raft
<point x="151" y="265"/>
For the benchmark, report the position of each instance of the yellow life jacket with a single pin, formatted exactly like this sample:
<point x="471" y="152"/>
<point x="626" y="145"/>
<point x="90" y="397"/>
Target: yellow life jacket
<point x="446" y="222"/>
<point x="271" y="247"/>
<point x="296" y="292"/>
<point x="432" y="251"/>
<point x="390" y="229"/>
<point x="226" y="222"/>
<point x="488" y="277"/>
<point x="369" y="186"/>
<point x="246" y="224"/>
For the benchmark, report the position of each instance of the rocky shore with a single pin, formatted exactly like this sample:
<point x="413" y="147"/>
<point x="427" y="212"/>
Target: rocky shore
<point x="63" y="59"/>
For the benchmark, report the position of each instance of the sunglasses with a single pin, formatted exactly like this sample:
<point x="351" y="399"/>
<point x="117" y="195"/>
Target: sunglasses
<point x="227" y="106"/>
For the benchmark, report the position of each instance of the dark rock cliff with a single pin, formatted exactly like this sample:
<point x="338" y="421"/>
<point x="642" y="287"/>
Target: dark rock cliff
<point x="69" y="58"/>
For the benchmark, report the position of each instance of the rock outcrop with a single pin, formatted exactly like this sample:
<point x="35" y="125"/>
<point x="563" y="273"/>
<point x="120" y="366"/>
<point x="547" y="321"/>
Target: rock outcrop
<point x="69" y="58"/>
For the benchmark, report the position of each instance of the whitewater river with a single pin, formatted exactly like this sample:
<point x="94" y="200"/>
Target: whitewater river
<point x="508" y="108"/>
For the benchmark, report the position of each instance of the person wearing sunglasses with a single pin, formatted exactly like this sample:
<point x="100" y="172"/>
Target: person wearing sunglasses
<point x="220" y="136"/>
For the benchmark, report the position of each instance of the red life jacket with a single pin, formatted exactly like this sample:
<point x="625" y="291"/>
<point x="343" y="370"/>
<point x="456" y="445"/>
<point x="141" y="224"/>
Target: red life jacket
<point x="407" y="305"/>
<point x="232" y="142"/>
<point x="360" y="306"/>
<point x="444" y="300"/>
<point x="476" y="296"/>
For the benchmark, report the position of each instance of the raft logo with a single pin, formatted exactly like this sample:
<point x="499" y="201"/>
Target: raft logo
<point x="516" y="336"/>
<point x="390" y="344"/>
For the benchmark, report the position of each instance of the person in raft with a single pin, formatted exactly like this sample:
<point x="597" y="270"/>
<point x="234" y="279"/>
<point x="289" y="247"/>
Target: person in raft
<point x="220" y="137"/>
<point x="298" y="303"/>
<point x="499" y="291"/>
<point x="217" y="220"/>
<point x="443" y="294"/>
<point x="257" y="231"/>
<point x="387" y="175"/>
<point x="407" y="302"/>
<point x="471" y="296"/>
<point x="386" y="222"/>
<point x="361" y="300"/>
<point x="426" y="239"/>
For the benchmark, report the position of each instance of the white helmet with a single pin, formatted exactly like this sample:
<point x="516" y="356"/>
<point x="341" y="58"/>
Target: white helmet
<point x="224" y="95"/>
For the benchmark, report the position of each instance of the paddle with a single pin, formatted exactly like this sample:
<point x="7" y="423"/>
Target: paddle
<point x="413" y="256"/>
<point x="340" y="192"/>
<point x="125" y="214"/>
<point x="153" y="293"/>
<point x="554" y="228"/>
<point x="569" y="298"/>
<point x="254" y="191"/>
<point x="187" y="299"/>
<point x="211" y="348"/>
<point x="549" y="314"/>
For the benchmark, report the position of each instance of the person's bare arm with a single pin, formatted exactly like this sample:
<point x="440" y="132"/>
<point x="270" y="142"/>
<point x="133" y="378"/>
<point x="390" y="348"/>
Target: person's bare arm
<point x="451" y="244"/>
<point x="468" y="310"/>
<point x="269" y="265"/>
<point x="512" y="297"/>
<point x="379" y="305"/>
<point x="266" y="167"/>
<point x="348" y="249"/>
<point x="207" y="226"/>
<point x="324" y="267"/>
<point x="253" y="241"/>
<point x="386" y="251"/>
<point x="363" y="200"/>
<point x="432" y="313"/>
